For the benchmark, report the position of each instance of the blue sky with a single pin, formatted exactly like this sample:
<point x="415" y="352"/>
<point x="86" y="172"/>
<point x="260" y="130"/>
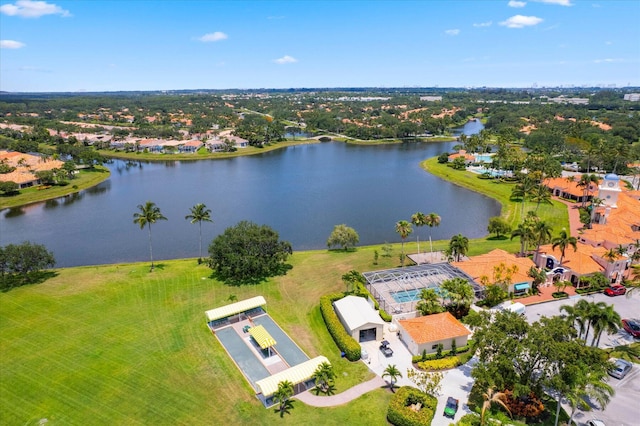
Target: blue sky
<point x="92" y="45"/>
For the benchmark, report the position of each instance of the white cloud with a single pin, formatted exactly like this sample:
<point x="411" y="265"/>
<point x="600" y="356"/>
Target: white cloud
<point x="453" y="32"/>
<point x="32" y="9"/>
<point x="514" y="3"/>
<point x="483" y="24"/>
<point x="520" y="21"/>
<point x="558" y="2"/>
<point x="606" y="61"/>
<point x="217" y="36"/>
<point x="286" y="59"/>
<point x="11" y="44"/>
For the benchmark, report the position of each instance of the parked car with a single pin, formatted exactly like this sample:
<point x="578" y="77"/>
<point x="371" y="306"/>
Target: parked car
<point x="385" y="349"/>
<point x="451" y="408"/>
<point x="620" y="369"/>
<point x="615" y="290"/>
<point x="595" y="422"/>
<point x="632" y="327"/>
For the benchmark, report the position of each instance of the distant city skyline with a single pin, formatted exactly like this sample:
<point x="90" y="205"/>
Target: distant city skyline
<point x="72" y="46"/>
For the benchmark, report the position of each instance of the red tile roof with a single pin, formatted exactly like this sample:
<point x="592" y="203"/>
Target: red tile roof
<point x="431" y="328"/>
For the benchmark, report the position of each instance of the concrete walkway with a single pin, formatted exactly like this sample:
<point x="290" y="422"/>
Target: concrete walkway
<point x="342" y="398"/>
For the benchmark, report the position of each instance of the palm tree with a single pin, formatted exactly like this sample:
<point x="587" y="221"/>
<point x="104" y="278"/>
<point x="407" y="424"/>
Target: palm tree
<point x="432" y="220"/>
<point x="526" y="233"/>
<point x="540" y="194"/>
<point x="491" y="396"/>
<point x="283" y="396"/>
<point x="585" y="182"/>
<point x="611" y="255"/>
<point x="324" y="377"/>
<point x="523" y="190"/>
<point x="459" y="246"/>
<point x="199" y="213"/>
<point x="593" y="387"/>
<point x="430" y="302"/>
<point x="577" y="315"/>
<point x="542" y="232"/>
<point x="591" y="313"/>
<point x="607" y="320"/>
<point x="403" y="228"/>
<point x="563" y="241"/>
<point x="393" y="373"/>
<point x="419" y="219"/>
<point x="149" y="213"/>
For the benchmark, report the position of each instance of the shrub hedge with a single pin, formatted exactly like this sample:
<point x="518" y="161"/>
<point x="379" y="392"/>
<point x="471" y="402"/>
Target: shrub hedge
<point x="399" y="412"/>
<point x="445" y="353"/>
<point x="440" y="364"/>
<point x="345" y="342"/>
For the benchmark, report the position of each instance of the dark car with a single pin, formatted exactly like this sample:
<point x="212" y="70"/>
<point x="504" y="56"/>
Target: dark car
<point x="615" y="290"/>
<point x="385" y="349"/>
<point x="620" y="369"/>
<point x="451" y="408"/>
<point x="632" y="327"/>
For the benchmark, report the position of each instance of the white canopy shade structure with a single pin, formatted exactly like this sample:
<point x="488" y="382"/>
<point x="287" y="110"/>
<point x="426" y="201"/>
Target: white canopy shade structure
<point x="297" y="374"/>
<point x="235" y="308"/>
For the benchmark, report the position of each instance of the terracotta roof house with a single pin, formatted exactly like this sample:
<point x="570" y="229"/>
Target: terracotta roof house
<point x="483" y="268"/>
<point x="468" y="158"/>
<point x="563" y="188"/>
<point x="427" y="332"/>
<point x="26" y="167"/>
<point x="190" y="146"/>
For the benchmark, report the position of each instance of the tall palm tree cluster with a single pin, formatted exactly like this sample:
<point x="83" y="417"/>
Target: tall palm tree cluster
<point x="149" y="213"/>
<point x="594" y="318"/>
<point x="532" y="232"/>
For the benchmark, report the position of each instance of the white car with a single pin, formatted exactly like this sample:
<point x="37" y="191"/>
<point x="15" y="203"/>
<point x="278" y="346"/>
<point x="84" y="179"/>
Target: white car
<point x="595" y="422"/>
<point x="620" y="369"/>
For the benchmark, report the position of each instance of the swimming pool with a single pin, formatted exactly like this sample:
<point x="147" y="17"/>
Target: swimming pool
<point x="412" y="295"/>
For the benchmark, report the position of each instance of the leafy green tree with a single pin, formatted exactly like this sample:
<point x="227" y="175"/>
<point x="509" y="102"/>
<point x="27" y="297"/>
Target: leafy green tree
<point x="459" y="246"/>
<point x="403" y="228"/>
<point x="197" y="214"/>
<point x="563" y="241"/>
<point x="283" y="397"/>
<point x="24" y="260"/>
<point x="498" y="226"/>
<point x="8" y="187"/>
<point x="147" y="215"/>
<point x="393" y="374"/>
<point x="458" y="163"/>
<point x="429" y="383"/>
<point x="248" y="252"/>
<point x="344" y="236"/>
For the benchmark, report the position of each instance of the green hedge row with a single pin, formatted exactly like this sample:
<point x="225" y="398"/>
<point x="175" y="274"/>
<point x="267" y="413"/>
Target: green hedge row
<point x="400" y="413"/>
<point x="445" y="353"/>
<point x="364" y="292"/>
<point x="345" y="342"/>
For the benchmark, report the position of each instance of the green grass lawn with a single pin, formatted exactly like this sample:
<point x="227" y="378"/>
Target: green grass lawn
<point x="85" y="179"/>
<point x="555" y="214"/>
<point x="119" y="345"/>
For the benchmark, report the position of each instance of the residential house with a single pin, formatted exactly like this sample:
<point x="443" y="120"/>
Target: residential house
<point x="426" y="333"/>
<point x="468" y="158"/>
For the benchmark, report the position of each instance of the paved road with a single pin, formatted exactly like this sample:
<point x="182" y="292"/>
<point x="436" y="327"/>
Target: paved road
<point x="624" y="408"/>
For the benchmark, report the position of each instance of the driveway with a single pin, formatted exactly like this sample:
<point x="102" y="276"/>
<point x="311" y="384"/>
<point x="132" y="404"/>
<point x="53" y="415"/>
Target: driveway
<point x="622" y="410"/>
<point x="456" y="383"/>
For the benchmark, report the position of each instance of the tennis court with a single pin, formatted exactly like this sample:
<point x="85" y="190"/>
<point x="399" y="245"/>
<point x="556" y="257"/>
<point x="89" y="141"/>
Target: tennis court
<point x="244" y="358"/>
<point x="285" y="347"/>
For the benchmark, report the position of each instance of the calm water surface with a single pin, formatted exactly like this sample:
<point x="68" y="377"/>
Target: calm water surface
<point x="301" y="192"/>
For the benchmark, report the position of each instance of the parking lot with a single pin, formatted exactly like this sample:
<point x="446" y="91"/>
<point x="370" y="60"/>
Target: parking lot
<point x="623" y="409"/>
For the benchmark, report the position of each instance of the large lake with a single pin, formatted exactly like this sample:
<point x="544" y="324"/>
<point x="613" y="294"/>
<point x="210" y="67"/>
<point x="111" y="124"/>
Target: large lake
<point x="301" y="192"/>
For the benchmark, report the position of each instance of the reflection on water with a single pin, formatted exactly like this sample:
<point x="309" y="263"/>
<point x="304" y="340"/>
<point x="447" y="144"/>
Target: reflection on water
<point x="300" y="192"/>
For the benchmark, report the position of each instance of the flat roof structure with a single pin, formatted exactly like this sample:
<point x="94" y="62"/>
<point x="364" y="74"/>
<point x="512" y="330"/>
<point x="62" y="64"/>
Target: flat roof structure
<point x="235" y="308"/>
<point x="397" y="290"/>
<point x="356" y="312"/>
<point x="262" y="337"/>
<point x="297" y="374"/>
